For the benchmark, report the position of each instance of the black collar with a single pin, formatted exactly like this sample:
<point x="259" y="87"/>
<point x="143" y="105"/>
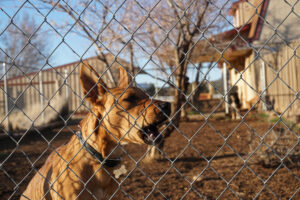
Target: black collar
<point x="96" y="154"/>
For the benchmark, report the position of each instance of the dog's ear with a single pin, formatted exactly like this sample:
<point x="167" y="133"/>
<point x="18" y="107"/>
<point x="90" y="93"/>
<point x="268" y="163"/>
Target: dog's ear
<point x="125" y="79"/>
<point x="92" y="86"/>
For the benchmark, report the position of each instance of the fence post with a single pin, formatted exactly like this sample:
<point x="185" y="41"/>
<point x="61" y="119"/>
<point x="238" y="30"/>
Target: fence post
<point x="6" y="98"/>
<point x="263" y="84"/>
<point x="225" y="87"/>
<point x="66" y="83"/>
<point x="67" y="88"/>
<point x="42" y="93"/>
<point x="156" y="83"/>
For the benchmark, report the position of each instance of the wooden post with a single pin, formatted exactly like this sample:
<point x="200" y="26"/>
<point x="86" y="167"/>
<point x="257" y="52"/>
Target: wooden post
<point x="156" y="83"/>
<point x="263" y="85"/>
<point x="225" y="87"/>
<point x="67" y="90"/>
<point x="41" y="95"/>
<point x="6" y="97"/>
<point x="66" y="82"/>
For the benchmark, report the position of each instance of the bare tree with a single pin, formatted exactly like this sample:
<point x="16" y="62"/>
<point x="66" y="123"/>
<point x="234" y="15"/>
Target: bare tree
<point x="167" y="31"/>
<point x="96" y="21"/>
<point x="23" y="46"/>
<point x="173" y="30"/>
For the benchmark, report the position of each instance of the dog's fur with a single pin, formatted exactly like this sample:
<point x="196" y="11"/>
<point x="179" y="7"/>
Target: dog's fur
<point x="71" y="172"/>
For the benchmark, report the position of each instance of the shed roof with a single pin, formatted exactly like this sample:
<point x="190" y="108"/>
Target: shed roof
<point x="110" y="59"/>
<point x="232" y="45"/>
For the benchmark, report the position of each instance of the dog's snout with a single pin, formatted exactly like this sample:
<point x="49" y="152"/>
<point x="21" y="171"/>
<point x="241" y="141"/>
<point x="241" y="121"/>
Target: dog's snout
<point x="165" y="107"/>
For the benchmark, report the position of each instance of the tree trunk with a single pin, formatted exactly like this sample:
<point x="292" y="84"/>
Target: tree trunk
<point x="176" y="110"/>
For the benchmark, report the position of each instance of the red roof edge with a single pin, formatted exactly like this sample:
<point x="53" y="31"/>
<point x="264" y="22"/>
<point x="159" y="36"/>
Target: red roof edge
<point x="260" y="21"/>
<point x="234" y="31"/>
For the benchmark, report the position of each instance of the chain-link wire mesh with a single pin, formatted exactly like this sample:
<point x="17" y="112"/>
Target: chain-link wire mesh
<point x="224" y="96"/>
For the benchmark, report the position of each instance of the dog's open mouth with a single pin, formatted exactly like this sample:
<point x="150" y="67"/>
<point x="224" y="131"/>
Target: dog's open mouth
<point x="151" y="135"/>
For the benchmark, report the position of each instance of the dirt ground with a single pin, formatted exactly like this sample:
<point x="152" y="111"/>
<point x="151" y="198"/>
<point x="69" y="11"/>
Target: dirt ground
<point x="203" y="160"/>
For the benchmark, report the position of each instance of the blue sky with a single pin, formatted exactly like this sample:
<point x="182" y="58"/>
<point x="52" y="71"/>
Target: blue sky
<point x="73" y="46"/>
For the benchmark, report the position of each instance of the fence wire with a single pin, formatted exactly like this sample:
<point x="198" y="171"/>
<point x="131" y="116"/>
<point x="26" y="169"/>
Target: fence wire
<point x="228" y="68"/>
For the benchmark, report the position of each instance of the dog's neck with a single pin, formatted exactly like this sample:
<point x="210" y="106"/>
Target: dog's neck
<point x="97" y="136"/>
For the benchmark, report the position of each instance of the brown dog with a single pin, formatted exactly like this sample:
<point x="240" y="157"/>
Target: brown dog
<point x="119" y="115"/>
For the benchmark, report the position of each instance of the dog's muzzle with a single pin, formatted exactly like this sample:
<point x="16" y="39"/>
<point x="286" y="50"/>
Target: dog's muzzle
<point x="151" y="134"/>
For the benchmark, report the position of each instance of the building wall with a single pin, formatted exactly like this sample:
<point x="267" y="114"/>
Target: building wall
<point x="282" y="81"/>
<point x="281" y="23"/>
<point x="24" y="91"/>
<point x="244" y="13"/>
<point x="282" y="77"/>
<point x="246" y="81"/>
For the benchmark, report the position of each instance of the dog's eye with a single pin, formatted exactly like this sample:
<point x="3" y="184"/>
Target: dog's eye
<point x="131" y="98"/>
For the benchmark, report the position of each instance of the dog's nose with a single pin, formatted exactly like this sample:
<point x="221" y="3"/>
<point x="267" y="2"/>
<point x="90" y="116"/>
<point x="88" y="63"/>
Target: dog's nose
<point x="165" y="107"/>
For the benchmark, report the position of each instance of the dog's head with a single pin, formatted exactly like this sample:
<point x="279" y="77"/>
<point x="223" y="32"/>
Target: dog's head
<point x="127" y="112"/>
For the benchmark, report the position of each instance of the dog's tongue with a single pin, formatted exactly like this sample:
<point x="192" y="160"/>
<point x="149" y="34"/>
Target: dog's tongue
<point x="152" y="133"/>
<point x="152" y="136"/>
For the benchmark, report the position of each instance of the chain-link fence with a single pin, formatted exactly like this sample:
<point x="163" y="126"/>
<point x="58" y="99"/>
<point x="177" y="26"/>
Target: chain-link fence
<point x="216" y="115"/>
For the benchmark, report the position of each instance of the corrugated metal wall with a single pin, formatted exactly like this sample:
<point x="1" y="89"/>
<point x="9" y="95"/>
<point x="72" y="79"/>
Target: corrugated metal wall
<point x="25" y="90"/>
